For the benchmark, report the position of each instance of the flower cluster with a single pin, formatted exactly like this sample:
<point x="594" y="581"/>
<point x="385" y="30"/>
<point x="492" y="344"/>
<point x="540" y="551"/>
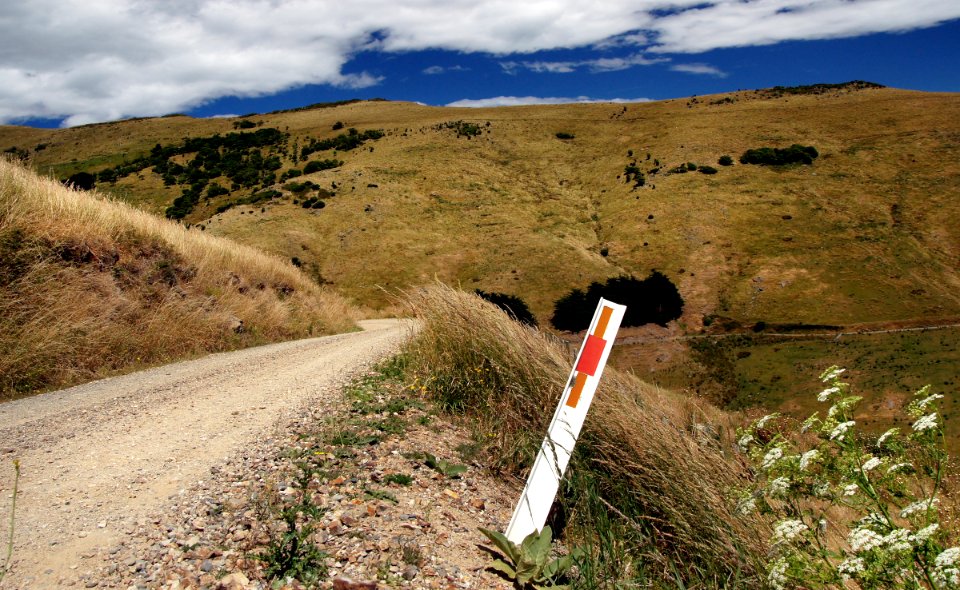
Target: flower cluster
<point x="891" y="482"/>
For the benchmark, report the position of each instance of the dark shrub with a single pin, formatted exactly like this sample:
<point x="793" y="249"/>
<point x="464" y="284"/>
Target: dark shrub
<point x="318" y="165"/>
<point x="215" y="190"/>
<point x="573" y="311"/>
<point x="338" y="126"/>
<point x="725" y="160"/>
<point x="707" y="170"/>
<point x="82" y="181"/>
<point x="513" y="305"/>
<point x="654" y="300"/>
<point x="691" y="166"/>
<point x="565" y="135"/>
<point x="795" y="154"/>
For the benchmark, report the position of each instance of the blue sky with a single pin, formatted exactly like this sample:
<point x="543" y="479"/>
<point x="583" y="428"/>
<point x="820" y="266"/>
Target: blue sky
<point x="68" y="62"/>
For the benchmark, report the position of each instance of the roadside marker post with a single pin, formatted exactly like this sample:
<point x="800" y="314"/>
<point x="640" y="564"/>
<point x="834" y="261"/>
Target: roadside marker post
<point x="551" y="462"/>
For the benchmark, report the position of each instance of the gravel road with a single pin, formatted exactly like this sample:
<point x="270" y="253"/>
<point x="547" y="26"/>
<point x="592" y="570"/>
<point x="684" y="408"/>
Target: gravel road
<point x="98" y="457"/>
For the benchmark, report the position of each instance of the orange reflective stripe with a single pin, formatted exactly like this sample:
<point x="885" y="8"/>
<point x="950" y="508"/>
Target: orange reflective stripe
<point x="578" y="384"/>
<point x="605" y="314"/>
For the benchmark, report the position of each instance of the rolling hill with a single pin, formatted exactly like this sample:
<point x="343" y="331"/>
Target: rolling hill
<point x="536" y="201"/>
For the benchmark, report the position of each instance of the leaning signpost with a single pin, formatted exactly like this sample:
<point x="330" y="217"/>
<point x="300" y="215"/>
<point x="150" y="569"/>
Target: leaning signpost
<point x="551" y="462"/>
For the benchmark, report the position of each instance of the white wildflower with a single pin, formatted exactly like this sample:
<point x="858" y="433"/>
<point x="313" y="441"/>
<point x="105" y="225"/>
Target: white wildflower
<point x="821" y="489"/>
<point x="746" y="505"/>
<point x="925" y="533"/>
<point x="874" y="518"/>
<point x="863" y="539"/>
<point x="807" y="458"/>
<point x="787" y="531"/>
<point x="745" y="441"/>
<point x="763" y="421"/>
<point x="926" y="422"/>
<point x="947" y="557"/>
<point x="883" y="437"/>
<point x="779" y="486"/>
<point x="809" y="422"/>
<point x="897" y="467"/>
<point x="850" y="566"/>
<point x="841" y="429"/>
<point x="898" y="540"/>
<point x="777" y="575"/>
<point x="918" y="506"/>
<point x="922" y="404"/>
<point x="871" y="463"/>
<point x="949" y="576"/>
<point x="826" y="393"/>
<point x="850" y="489"/>
<point x="831" y="374"/>
<point x="771" y="458"/>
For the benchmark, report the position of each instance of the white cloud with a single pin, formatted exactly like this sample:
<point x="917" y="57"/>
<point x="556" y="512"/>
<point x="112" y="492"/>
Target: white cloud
<point x="602" y="64"/>
<point x="722" y="23"/>
<point x="435" y="70"/>
<point x="514" y="101"/>
<point x="93" y="60"/>
<point x="698" y="68"/>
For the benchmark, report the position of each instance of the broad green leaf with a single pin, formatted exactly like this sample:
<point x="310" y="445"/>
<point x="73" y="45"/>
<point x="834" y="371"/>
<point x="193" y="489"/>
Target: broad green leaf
<point x="502" y="566"/>
<point x="503" y="544"/>
<point x="557" y="567"/>
<point x="537" y="547"/>
<point x="527" y="570"/>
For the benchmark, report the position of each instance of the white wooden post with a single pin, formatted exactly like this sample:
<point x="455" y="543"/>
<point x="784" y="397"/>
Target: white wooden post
<point x="551" y="462"/>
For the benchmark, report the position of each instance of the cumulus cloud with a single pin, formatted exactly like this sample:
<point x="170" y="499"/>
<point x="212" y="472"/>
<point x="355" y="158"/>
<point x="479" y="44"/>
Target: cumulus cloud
<point x="514" y="101"/>
<point x="93" y="60"/>
<point x="698" y="68"/>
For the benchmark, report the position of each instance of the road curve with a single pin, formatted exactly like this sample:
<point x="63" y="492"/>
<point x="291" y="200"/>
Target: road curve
<point x="99" y="457"/>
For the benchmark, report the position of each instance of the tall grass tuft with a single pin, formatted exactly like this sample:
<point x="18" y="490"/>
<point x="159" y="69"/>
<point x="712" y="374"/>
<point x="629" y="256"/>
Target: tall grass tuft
<point x="89" y="286"/>
<point x="649" y="487"/>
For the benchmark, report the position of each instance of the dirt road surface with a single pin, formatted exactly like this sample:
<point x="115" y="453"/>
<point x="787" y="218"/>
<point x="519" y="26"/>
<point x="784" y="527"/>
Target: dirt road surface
<point x="98" y="457"/>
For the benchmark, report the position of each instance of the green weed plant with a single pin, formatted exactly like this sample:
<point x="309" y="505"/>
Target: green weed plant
<point x="848" y="508"/>
<point x="529" y="564"/>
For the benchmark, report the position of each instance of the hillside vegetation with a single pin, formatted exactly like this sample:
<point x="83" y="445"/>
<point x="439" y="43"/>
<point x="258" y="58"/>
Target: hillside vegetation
<point x="846" y="214"/>
<point x="492" y="199"/>
<point x="90" y="286"/>
<point x="649" y="487"/>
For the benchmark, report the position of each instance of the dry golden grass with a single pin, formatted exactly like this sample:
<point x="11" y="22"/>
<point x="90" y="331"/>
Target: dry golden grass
<point x="868" y="233"/>
<point x="652" y="461"/>
<point x="92" y="286"/>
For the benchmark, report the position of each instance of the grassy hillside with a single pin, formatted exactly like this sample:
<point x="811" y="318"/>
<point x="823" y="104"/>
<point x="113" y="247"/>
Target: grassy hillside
<point x="89" y="286"/>
<point x="535" y="201"/>
<point x="866" y="233"/>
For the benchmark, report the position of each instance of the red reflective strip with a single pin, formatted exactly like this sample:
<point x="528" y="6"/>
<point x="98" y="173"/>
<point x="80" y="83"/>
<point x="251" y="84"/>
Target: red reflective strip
<point x="574" y="397"/>
<point x="590" y="357"/>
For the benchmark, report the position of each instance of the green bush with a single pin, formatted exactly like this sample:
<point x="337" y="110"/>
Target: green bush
<point x="83" y="181"/>
<point x="318" y="165"/>
<point x="766" y="156"/>
<point x="707" y="170"/>
<point x="725" y="160"/>
<point x="652" y="300"/>
<point x="215" y="190"/>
